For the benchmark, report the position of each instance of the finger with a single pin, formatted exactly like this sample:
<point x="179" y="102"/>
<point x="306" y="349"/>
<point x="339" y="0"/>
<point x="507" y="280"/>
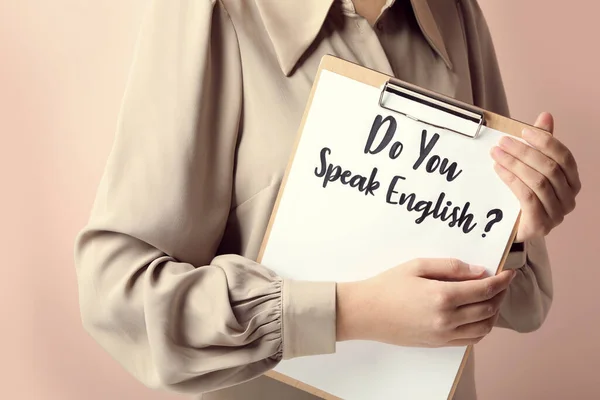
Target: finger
<point x="475" y="330"/>
<point x="545" y="121"/>
<point x="537" y="182"/>
<point x="463" y="342"/>
<point x="530" y="203"/>
<point x="476" y="291"/>
<point x="476" y="312"/>
<point x="546" y="166"/>
<point x="446" y="269"/>
<point x="557" y="151"/>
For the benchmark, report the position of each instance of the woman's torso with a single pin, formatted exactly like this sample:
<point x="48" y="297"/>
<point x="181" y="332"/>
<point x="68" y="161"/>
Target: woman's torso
<point x="434" y="44"/>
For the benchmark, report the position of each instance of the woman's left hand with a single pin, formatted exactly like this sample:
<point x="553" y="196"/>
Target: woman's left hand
<point x="543" y="176"/>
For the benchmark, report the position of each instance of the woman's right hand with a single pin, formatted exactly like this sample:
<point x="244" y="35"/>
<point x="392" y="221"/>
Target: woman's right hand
<point x="422" y="303"/>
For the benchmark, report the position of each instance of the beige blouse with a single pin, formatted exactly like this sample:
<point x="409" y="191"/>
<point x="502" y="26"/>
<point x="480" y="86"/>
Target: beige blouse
<point x="168" y="285"/>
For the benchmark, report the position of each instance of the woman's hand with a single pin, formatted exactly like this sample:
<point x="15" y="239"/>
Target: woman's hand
<point x="544" y="178"/>
<point x="422" y="303"/>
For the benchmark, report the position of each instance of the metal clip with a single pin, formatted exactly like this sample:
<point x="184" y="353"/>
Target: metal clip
<point x="445" y="105"/>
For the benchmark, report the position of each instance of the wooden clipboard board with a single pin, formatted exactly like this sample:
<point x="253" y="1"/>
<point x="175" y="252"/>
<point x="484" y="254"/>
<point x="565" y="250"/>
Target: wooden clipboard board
<point x="380" y="80"/>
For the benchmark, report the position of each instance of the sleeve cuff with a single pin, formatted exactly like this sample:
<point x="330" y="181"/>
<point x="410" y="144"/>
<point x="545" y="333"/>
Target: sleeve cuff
<point x="308" y="318"/>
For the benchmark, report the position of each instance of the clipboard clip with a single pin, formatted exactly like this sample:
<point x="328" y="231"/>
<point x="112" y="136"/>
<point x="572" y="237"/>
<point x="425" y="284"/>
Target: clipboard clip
<point x="465" y="120"/>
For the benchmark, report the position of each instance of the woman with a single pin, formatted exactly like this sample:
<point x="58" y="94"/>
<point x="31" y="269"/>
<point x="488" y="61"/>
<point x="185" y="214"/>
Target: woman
<point x="168" y="285"/>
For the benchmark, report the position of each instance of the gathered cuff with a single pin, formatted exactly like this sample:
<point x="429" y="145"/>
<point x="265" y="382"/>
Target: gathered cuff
<point x="309" y="326"/>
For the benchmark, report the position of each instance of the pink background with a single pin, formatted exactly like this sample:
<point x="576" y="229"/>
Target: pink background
<point x="63" y="67"/>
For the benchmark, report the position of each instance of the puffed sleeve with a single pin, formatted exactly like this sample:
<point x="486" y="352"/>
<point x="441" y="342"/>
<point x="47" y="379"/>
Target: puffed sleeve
<point x="152" y="290"/>
<point x="530" y="294"/>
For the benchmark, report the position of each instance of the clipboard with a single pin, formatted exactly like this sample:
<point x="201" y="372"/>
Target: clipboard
<point x="468" y="122"/>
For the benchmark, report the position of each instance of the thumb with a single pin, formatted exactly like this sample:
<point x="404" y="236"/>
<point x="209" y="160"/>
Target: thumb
<point x="447" y="269"/>
<point x="545" y="121"/>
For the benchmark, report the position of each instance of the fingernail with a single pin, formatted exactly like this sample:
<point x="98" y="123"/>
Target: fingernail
<point x="527" y="133"/>
<point x="476" y="269"/>
<point x="505" y="142"/>
<point x="497" y="151"/>
<point x="514" y="273"/>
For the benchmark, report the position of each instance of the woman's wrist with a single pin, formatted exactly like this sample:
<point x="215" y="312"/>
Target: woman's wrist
<point x="350" y="311"/>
